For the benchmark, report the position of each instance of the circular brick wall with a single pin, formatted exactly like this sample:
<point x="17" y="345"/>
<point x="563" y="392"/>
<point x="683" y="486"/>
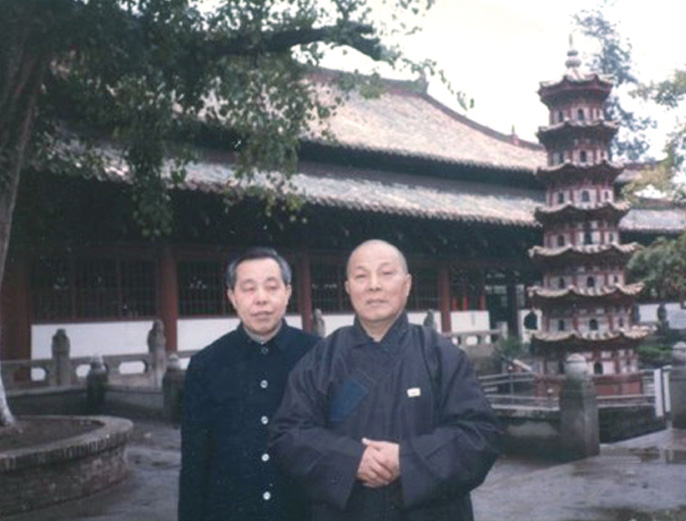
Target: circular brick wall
<point x="74" y="467"/>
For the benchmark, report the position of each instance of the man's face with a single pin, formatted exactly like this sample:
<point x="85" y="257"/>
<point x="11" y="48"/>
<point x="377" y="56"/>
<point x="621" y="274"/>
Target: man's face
<point x="260" y="296"/>
<point x="378" y="284"/>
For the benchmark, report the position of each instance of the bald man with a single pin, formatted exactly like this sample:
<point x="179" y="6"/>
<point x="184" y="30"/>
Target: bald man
<point x="385" y="420"/>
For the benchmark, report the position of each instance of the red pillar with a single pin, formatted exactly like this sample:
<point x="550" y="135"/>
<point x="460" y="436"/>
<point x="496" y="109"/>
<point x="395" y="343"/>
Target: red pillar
<point x="168" y="295"/>
<point x="444" y="297"/>
<point x="304" y="289"/>
<point x="15" y="311"/>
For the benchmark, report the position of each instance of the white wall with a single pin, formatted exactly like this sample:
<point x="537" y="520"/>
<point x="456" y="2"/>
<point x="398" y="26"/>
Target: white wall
<point x="196" y="333"/>
<point x="87" y="339"/>
<point x="109" y="338"/>
<point x="465" y="321"/>
<point x="675" y="315"/>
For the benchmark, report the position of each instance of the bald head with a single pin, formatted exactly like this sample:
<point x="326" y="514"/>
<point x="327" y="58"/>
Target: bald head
<point x="376" y="244"/>
<point x="378" y="284"/>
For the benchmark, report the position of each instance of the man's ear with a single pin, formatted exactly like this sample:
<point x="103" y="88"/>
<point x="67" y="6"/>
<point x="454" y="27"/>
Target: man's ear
<point x="232" y="298"/>
<point x="346" y="286"/>
<point x="409" y="285"/>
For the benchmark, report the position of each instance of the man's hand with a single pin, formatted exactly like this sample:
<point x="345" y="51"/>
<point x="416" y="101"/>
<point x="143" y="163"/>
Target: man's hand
<point x="380" y="464"/>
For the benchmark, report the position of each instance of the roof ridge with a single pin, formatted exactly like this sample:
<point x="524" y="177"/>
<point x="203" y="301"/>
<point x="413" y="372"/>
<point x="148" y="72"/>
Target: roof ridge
<point x="506" y="138"/>
<point x="409" y="88"/>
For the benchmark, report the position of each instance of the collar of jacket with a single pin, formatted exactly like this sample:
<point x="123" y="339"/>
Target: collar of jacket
<point x="400" y="326"/>
<point x="278" y="340"/>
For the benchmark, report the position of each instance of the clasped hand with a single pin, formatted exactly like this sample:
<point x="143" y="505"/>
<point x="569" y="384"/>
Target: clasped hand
<point x="380" y="464"/>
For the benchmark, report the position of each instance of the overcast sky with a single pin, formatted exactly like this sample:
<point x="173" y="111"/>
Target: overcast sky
<point x="497" y="51"/>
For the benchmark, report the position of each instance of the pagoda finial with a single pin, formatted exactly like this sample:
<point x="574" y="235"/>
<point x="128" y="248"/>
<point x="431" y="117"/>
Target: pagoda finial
<point x="573" y="60"/>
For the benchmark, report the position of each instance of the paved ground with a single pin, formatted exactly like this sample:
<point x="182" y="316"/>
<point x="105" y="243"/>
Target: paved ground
<point x="639" y="480"/>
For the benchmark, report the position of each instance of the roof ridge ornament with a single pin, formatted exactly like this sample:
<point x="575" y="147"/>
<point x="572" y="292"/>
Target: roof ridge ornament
<point x="573" y="61"/>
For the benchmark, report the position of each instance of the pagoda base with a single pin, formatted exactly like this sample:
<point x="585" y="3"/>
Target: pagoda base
<point x="605" y="385"/>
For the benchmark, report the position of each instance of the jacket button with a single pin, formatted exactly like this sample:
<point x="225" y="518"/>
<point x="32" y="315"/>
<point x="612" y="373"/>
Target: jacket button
<point x="265" y="457"/>
<point x="267" y="496"/>
<point x="264" y="420"/>
<point x="264" y="384"/>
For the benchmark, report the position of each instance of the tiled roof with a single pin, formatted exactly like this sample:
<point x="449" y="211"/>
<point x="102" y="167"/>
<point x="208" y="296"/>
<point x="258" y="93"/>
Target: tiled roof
<point x="565" y="211"/>
<point x="403" y="121"/>
<point x="664" y="220"/>
<point x="586" y="249"/>
<point x="575" y="293"/>
<point x="390" y="193"/>
<point x="591" y="337"/>
<point x="397" y="194"/>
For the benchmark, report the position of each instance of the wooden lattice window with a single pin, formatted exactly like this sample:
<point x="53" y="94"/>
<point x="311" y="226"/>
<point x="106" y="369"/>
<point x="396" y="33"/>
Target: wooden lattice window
<point x="328" y="289"/>
<point x="424" y="295"/>
<point x="201" y="288"/>
<point x="137" y="288"/>
<point x="51" y="289"/>
<point x="467" y="289"/>
<point x="99" y="288"/>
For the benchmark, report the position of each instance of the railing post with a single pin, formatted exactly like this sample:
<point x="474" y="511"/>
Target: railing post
<point x="318" y="324"/>
<point x="96" y="385"/>
<point x="60" y="356"/>
<point x="579" y="425"/>
<point x="172" y="390"/>
<point x="677" y="386"/>
<point x="157" y="349"/>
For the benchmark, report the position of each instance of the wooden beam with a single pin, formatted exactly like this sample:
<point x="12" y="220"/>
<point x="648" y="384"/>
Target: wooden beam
<point x="444" y="296"/>
<point x="15" y="311"/>
<point x="304" y="289"/>
<point x="168" y="295"/>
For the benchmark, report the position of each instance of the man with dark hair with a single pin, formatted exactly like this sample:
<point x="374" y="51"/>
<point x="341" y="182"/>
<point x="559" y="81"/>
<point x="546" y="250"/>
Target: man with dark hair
<point x="385" y="420"/>
<point x="232" y="388"/>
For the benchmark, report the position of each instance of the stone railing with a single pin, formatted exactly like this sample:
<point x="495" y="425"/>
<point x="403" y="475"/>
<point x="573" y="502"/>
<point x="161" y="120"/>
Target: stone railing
<point x="139" y="369"/>
<point x="475" y="339"/>
<point x="27" y="374"/>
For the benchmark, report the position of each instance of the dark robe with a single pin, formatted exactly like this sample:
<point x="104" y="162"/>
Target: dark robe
<point x="232" y="389"/>
<point x="414" y="388"/>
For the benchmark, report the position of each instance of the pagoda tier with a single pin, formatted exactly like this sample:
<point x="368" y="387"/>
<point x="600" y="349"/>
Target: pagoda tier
<point x="586" y="297"/>
<point x="604" y="172"/>
<point x="568" y="131"/>
<point x="564" y="213"/>
<point x="578" y="341"/>
<point x="571" y="255"/>
<point x="592" y="87"/>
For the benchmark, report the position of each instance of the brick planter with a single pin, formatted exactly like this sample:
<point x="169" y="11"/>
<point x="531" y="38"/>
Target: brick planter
<point x="67" y="469"/>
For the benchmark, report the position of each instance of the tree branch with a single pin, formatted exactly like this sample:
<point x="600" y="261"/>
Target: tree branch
<point x="353" y="34"/>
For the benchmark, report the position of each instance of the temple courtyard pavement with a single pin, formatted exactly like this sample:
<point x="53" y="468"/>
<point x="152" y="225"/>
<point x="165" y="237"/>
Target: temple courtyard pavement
<point x="643" y="479"/>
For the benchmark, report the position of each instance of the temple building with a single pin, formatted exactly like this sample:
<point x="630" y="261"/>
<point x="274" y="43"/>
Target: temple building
<point x="457" y="197"/>
<point x="584" y="297"/>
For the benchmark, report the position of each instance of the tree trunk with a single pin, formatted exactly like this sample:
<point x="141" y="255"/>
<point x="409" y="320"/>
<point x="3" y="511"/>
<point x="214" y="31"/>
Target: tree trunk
<point x="6" y="417"/>
<point x="23" y="62"/>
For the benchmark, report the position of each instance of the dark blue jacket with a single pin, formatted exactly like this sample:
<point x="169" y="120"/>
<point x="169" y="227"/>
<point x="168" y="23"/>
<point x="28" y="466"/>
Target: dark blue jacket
<point x="414" y="388"/>
<point x="232" y="389"/>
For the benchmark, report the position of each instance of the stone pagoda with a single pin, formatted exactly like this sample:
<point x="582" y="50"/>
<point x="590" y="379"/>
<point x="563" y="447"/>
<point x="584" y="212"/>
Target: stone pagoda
<point x="584" y="299"/>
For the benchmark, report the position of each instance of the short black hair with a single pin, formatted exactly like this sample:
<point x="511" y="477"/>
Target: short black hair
<point x="259" y="252"/>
